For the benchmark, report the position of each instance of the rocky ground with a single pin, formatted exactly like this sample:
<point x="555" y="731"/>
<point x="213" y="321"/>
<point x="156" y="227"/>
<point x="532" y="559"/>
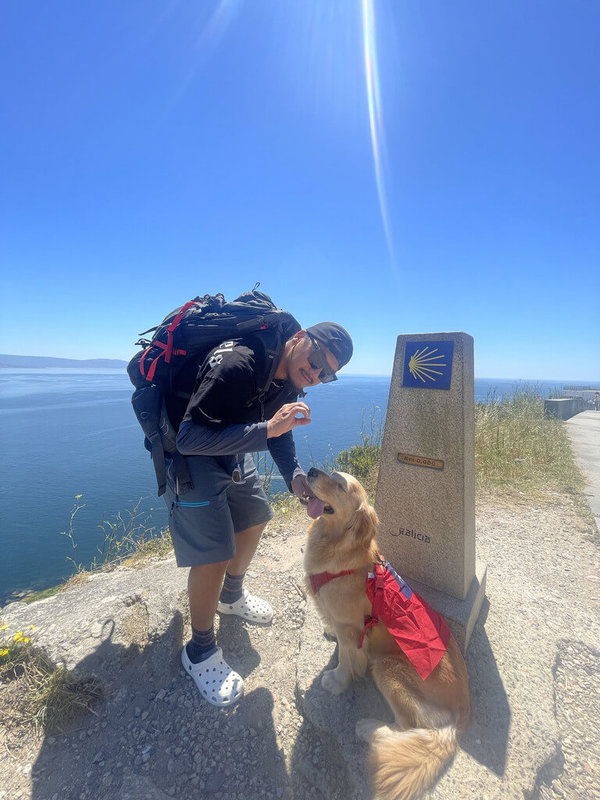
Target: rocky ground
<point x="533" y="663"/>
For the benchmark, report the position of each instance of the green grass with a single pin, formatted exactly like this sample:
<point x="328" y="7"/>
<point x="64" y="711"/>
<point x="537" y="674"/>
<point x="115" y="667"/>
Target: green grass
<point x="517" y="452"/>
<point x="148" y="546"/>
<point x="517" y="449"/>
<point x="126" y="538"/>
<point x="33" y="596"/>
<point x="362" y="461"/>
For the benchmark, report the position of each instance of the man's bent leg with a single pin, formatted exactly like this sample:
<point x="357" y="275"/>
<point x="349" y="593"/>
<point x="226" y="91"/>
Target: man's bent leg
<point x="204" y="540"/>
<point x="246" y="543"/>
<point x="234" y="599"/>
<point x="204" y="585"/>
<point x="201" y="658"/>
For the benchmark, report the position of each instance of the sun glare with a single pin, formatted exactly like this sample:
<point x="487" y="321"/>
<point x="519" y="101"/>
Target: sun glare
<point x="376" y="119"/>
<point x="218" y="23"/>
<point x="209" y="37"/>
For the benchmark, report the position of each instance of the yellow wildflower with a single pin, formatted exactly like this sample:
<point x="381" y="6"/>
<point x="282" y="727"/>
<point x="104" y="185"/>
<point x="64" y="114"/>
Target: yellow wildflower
<point x="18" y="636"/>
<point x="4" y="652"/>
<point x="26" y="639"/>
<point x="4" y="627"/>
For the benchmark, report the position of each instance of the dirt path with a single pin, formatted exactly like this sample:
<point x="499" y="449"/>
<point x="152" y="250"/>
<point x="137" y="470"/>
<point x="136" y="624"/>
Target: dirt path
<point x="535" y="682"/>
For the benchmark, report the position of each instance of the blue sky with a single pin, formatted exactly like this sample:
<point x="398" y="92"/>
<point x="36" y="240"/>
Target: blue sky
<point x="398" y="167"/>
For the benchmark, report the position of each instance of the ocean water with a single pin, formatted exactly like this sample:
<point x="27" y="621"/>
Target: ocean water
<point x="69" y="438"/>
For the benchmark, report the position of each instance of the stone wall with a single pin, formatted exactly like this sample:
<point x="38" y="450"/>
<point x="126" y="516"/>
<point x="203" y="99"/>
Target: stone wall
<point x="564" y="407"/>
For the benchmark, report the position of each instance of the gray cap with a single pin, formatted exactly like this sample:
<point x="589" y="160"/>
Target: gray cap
<point x="335" y="338"/>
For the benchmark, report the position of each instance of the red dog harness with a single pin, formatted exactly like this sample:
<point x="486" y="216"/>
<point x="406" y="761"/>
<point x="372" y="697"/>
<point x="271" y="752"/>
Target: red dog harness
<point x="420" y="632"/>
<point x="321" y="578"/>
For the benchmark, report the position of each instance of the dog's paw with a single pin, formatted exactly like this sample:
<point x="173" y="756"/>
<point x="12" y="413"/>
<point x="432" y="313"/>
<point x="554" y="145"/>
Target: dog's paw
<point x="334" y="681"/>
<point x="365" y="728"/>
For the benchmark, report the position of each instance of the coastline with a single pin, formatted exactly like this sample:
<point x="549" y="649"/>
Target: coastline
<point x="77" y="436"/>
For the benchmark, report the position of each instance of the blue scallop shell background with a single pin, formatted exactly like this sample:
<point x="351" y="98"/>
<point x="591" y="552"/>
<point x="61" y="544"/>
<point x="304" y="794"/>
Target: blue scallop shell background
<point x="431" y="365"/>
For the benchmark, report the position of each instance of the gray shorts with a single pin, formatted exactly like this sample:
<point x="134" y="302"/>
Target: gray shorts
<point x="203" y="521"/>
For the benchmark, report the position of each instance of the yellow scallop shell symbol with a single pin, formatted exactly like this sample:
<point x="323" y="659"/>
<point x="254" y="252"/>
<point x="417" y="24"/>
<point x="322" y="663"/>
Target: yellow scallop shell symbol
<point x="424" y="364"/>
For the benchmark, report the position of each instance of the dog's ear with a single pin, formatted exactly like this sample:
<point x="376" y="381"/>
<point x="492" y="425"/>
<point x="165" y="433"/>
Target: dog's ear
<point x="363" y="523"/>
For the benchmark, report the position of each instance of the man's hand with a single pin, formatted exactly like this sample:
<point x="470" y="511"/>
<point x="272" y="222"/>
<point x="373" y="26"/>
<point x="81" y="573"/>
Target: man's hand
<point x="288" y="416"/>
<point x="301" y="488"/>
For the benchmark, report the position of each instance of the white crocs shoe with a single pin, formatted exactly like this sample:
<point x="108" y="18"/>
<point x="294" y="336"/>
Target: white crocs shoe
<point x="215" y="679"/>
<point x="248" y="607"/>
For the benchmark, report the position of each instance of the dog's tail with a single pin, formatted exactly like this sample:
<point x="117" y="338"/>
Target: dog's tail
<point x="405" y="763"/>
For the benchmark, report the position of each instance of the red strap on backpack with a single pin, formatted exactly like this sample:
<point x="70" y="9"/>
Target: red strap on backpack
<point x="152" y="370"/>
<point x="167" y="349"/>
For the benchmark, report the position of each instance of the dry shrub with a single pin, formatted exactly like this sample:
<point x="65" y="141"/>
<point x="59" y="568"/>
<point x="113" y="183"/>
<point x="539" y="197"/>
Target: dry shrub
<point x="39" y="694"/>
<point x="518" y="449"/>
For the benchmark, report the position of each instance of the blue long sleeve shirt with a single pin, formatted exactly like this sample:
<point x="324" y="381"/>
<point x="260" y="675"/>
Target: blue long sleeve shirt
<point x="225" y="415"/>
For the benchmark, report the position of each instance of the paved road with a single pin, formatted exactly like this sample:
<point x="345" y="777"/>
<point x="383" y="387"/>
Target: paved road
<point x="584" y="432"/>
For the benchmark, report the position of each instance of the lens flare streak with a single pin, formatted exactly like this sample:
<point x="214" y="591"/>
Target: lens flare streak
<point x="375" y="117"/>
<point x="208" y="39"/>
<point x="220" y="20"/>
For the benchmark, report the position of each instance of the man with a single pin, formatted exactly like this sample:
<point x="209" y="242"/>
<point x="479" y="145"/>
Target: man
<point x="217" y="525"/>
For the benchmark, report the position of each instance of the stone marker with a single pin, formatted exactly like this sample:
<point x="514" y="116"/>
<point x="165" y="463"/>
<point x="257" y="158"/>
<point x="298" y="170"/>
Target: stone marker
<point x="426" y="488"/>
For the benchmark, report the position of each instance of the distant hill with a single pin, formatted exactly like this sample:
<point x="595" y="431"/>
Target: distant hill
<point x="42" y="362"/>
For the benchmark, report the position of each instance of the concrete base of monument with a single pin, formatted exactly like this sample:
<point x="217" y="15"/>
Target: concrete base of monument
<point x="461" y="615"/>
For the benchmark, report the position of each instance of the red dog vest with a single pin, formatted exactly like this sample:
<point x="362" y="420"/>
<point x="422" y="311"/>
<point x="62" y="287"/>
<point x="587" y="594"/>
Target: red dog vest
<point x="420" y="632"/>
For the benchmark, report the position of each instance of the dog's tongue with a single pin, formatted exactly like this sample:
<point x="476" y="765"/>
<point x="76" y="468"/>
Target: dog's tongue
<point x="315" y="507"/>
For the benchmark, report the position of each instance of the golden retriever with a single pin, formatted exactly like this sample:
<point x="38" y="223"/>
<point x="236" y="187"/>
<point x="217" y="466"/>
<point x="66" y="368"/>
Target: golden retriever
<point x="430" y="714"/>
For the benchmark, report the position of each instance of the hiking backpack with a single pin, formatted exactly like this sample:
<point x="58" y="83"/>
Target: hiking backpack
<point x="185" y="337"/>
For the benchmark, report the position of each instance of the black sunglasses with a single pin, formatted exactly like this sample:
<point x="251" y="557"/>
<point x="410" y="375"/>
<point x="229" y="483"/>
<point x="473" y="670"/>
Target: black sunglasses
<point x="318" y="361"/>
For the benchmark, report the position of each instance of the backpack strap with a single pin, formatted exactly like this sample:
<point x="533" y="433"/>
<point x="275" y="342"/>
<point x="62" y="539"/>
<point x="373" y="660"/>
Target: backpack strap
<point x="157" y="454"/>
<point x="167" y="348"/>
<point x="182" y="473"/>
<point x="168" y="436"/>
<point x="274" y="361"/>
<point x="148" y="405"/>
<point x="287" y="326"/>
